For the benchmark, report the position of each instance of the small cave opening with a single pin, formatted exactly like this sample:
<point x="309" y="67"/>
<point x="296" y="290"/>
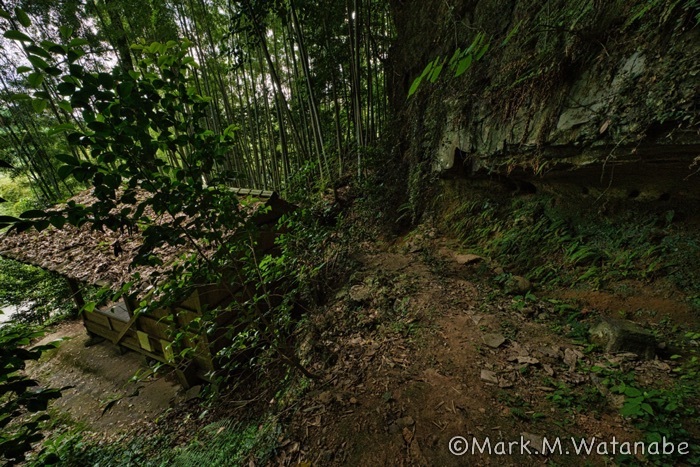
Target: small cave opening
<point x="462" y="166"/>
<point x="633" y="193"/>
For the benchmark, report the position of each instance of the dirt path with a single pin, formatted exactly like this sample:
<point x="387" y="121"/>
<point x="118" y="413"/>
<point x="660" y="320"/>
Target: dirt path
<point x="105" y="396"/>
<point x="416" y="349"/>
<point x="419" y="350"/>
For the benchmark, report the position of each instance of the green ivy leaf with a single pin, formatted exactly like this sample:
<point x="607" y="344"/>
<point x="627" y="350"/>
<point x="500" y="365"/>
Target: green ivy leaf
<point x="482" y="51"/>
<point x="436" y="73"/>
<point x="512" y="33"/>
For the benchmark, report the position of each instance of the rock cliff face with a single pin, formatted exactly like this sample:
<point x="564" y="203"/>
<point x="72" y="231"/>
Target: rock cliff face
<point x="606" y="93"/>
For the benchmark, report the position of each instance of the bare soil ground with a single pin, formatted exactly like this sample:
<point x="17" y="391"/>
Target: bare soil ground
<point x="103" y="394"/>
<point x="428" y="350"/>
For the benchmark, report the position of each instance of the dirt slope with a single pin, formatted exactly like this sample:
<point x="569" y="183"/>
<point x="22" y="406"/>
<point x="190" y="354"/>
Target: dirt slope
<point x="421" y="349"/>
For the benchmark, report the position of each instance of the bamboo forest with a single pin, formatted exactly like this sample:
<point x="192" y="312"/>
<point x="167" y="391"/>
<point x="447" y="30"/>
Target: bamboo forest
<point x="349" y="232"/>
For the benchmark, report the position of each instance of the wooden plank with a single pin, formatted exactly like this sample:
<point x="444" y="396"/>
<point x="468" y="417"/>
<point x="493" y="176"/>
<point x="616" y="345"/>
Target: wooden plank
<point x="130" y="340"/>
<point x="185" y="317"/>
<point x="117" y="325"/>
<point x="255" y="193"/>
<point x="98" y="318"/>
<point x="117" y="311"/>
<point x="192" y="302"/>
<point x="153" y="327"/>
<point x="126" y="328"/>
<point x="103" y="331"/>
<point x="159" y="313"/>
<point x="211" y="295"/>
<point x="144" y="341"/>
<point x="133" y="344"/>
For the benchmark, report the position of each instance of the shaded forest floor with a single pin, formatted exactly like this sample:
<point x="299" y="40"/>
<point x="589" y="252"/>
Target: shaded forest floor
<point x="421" y="345"/>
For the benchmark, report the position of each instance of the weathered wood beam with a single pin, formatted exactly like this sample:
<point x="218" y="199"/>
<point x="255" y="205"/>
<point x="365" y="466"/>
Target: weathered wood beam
<point x="76" y="292"/>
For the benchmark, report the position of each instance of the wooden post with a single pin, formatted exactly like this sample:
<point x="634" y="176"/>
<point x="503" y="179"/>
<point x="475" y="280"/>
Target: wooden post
<point x="75" y="291"/>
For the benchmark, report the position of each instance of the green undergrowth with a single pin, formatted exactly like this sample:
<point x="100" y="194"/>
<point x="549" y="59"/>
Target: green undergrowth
<point x="41" y="296"/>
<point x="189" y="437"/>
<point x="222" y="443"/>
<point x="555" y="244"/>
<point x="666" y="407"/>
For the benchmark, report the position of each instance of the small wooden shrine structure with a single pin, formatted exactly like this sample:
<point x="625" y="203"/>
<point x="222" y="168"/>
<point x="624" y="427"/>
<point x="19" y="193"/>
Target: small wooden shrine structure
<point x="85" y="256"/>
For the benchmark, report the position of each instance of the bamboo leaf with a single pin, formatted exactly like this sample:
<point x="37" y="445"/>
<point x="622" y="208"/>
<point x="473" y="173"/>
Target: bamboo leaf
<point x="436" y="73"/>
<point x="512" y="33"/>
<point x="463" y="65"/>
<point x="57" y="221"/>
<point x="481" y="52"/>
<point x="64" y="171"/>
<point x="6" y="221"/>
<point x="36" y="50"/>
<point x="455" y="57"/>
<point x="66" y="89"/>
<point x="39" y="226"/>
<point x="20" y="96"/>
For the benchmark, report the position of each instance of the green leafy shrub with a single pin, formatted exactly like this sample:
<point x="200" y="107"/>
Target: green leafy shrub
<point x="23" y="402"/>
<point x="44" y="294"/>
